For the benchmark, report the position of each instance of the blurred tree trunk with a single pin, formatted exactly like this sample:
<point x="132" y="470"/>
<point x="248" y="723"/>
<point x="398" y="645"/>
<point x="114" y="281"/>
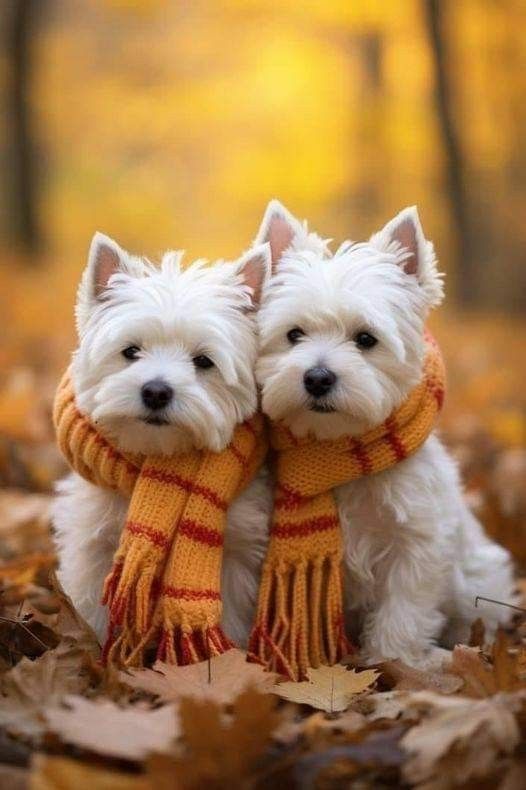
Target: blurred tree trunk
<point x="434" y="12"/>
<point x="19" y="26"/>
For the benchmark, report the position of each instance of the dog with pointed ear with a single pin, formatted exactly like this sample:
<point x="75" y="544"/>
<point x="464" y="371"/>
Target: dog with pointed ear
<point x="342" y="344"/>
<point x="286" y="234"/>
<point x="165" y="365"/>
<point x="404" y="237"/>
<point x="107" y="259"/>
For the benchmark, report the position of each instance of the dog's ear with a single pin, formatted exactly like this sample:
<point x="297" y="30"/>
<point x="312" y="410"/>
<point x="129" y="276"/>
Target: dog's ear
<point x="404" y="235"/>
<point x="105" y="258"/>
<point x="255" y="268"/>
<point x="280" y="229"/>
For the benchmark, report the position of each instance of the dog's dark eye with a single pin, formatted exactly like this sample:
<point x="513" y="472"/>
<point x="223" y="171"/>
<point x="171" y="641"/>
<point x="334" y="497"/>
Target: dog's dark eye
<point x="295" y="334"/>
<point x="203" y="362"/>
<point x="131" y="352"/>
<point x="365" y="340"/>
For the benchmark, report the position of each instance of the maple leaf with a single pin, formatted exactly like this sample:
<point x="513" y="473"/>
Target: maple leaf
<point x="328" y="688"/>
<point x="221" y="679"/>
<point x="483" y="679"/>
<point x="220" y="751"/>
<point x="101" y="726"/>
<point x="54" y="773"/>
<point x="460" y="738"/>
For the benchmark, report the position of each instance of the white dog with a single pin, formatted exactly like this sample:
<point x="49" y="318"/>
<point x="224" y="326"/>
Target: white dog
<point x="341" y="346"/>
<point x="165" y="363"/>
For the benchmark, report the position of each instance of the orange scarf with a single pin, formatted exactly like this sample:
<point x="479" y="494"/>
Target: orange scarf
<point x="163" y="591"/>
<point x="299" y="622"/>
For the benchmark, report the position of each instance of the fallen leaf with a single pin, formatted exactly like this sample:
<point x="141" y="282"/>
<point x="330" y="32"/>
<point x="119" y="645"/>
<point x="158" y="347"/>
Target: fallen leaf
<point x="513" y="779"/>
<point x="24" y="523"/>
<point x="482" y="678"/>
<point x="478" y="633"/>
<point x="24" y="636"/>
<point x="477" y="731"/>
<point x="220" y="751"/>
<point x="328" y="688"/>
<point x="13" y="778"/>
<point x="101" y="726"/>
<point x="61" y="773"/>
<point x="25" y="569"/>
<point x="33" y="685"/>
<point x="384" y="705"/>
<point x="221" y="680"/>
<point x="403" y="677"/>
<point x="377" y="750"/>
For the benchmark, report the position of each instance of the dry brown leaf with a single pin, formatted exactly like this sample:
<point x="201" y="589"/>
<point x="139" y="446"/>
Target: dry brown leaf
<point x="513" y="778"/>
<point x="384" y="705"/>
<point x="403" y="677"/>
<point x="221" y="680"/>
<point x="459" y="736"/>
<point x="317" y="728"/>
<point x="33" y="685"/>
<point x="24" y="522"/>
<point x="483" y="679"/>
<point x="477" y="634"/>
<point x="25" y="569"/>
<point x="103" y="727"/>
<point x="331" y="689"/>
<point x="220" y="752"/>
<point x="61" y="773"/>
<point x="13" y="778"/>
<point x="69" y="623"/>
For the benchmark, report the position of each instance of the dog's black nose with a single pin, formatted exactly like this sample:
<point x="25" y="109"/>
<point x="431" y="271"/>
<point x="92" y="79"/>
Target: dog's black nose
<point x="156" y="394"/>
<point x="319" y="381"/>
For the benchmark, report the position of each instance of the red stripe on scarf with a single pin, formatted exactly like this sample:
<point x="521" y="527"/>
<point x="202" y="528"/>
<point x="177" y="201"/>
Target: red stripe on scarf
<point x="170" y="478"/>
<point x="155" y="536"/>
<point x="307" y="527"/>
<point x="290" y="498"/>
<point x="198" y="532"/>
<point x="395" y="441"/>
<point x="358" y="450"/>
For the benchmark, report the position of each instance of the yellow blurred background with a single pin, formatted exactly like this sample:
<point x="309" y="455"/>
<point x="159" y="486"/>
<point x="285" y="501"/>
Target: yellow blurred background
<point x="170" y="124"/>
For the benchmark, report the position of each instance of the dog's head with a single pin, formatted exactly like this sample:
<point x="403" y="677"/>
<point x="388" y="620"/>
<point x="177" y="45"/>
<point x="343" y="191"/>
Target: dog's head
<point x="166" y="355"/>
<point x="341" y="337"/>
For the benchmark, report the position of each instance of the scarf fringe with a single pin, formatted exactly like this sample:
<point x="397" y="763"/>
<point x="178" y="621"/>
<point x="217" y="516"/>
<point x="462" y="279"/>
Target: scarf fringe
<point x="173" y="645"/>
<point x="300" y="618"/>
<point x="131" y="632"/>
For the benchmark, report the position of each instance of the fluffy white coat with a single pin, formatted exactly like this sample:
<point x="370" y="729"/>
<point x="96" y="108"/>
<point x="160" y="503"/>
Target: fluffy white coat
<point x="166" y="320"/>
<point x="415" y="556"/>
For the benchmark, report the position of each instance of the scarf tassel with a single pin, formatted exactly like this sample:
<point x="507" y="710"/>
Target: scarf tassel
<point x="131" y="633"/>
<point x="300" y="619"/>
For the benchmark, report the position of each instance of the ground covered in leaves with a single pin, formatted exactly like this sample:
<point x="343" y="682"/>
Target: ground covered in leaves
<point x="67" y="723"/>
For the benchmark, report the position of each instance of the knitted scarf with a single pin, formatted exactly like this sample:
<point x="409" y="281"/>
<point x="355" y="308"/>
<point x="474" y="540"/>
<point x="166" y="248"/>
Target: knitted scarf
<point x="299" y="621"/>
<point x="163" y="591"/>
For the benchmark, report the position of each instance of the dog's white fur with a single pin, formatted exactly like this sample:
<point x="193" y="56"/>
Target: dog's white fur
<point x="415" y="556"/>
<point x="172" y="314"/>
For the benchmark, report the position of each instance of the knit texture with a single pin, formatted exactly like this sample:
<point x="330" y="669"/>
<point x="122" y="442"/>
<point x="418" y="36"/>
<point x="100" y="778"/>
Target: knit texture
<point x="299" y="622"/>
<point x="163" y="591"/>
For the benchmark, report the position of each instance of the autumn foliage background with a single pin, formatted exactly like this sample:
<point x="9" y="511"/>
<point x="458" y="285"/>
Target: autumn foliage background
<point x="171" y="124"/>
